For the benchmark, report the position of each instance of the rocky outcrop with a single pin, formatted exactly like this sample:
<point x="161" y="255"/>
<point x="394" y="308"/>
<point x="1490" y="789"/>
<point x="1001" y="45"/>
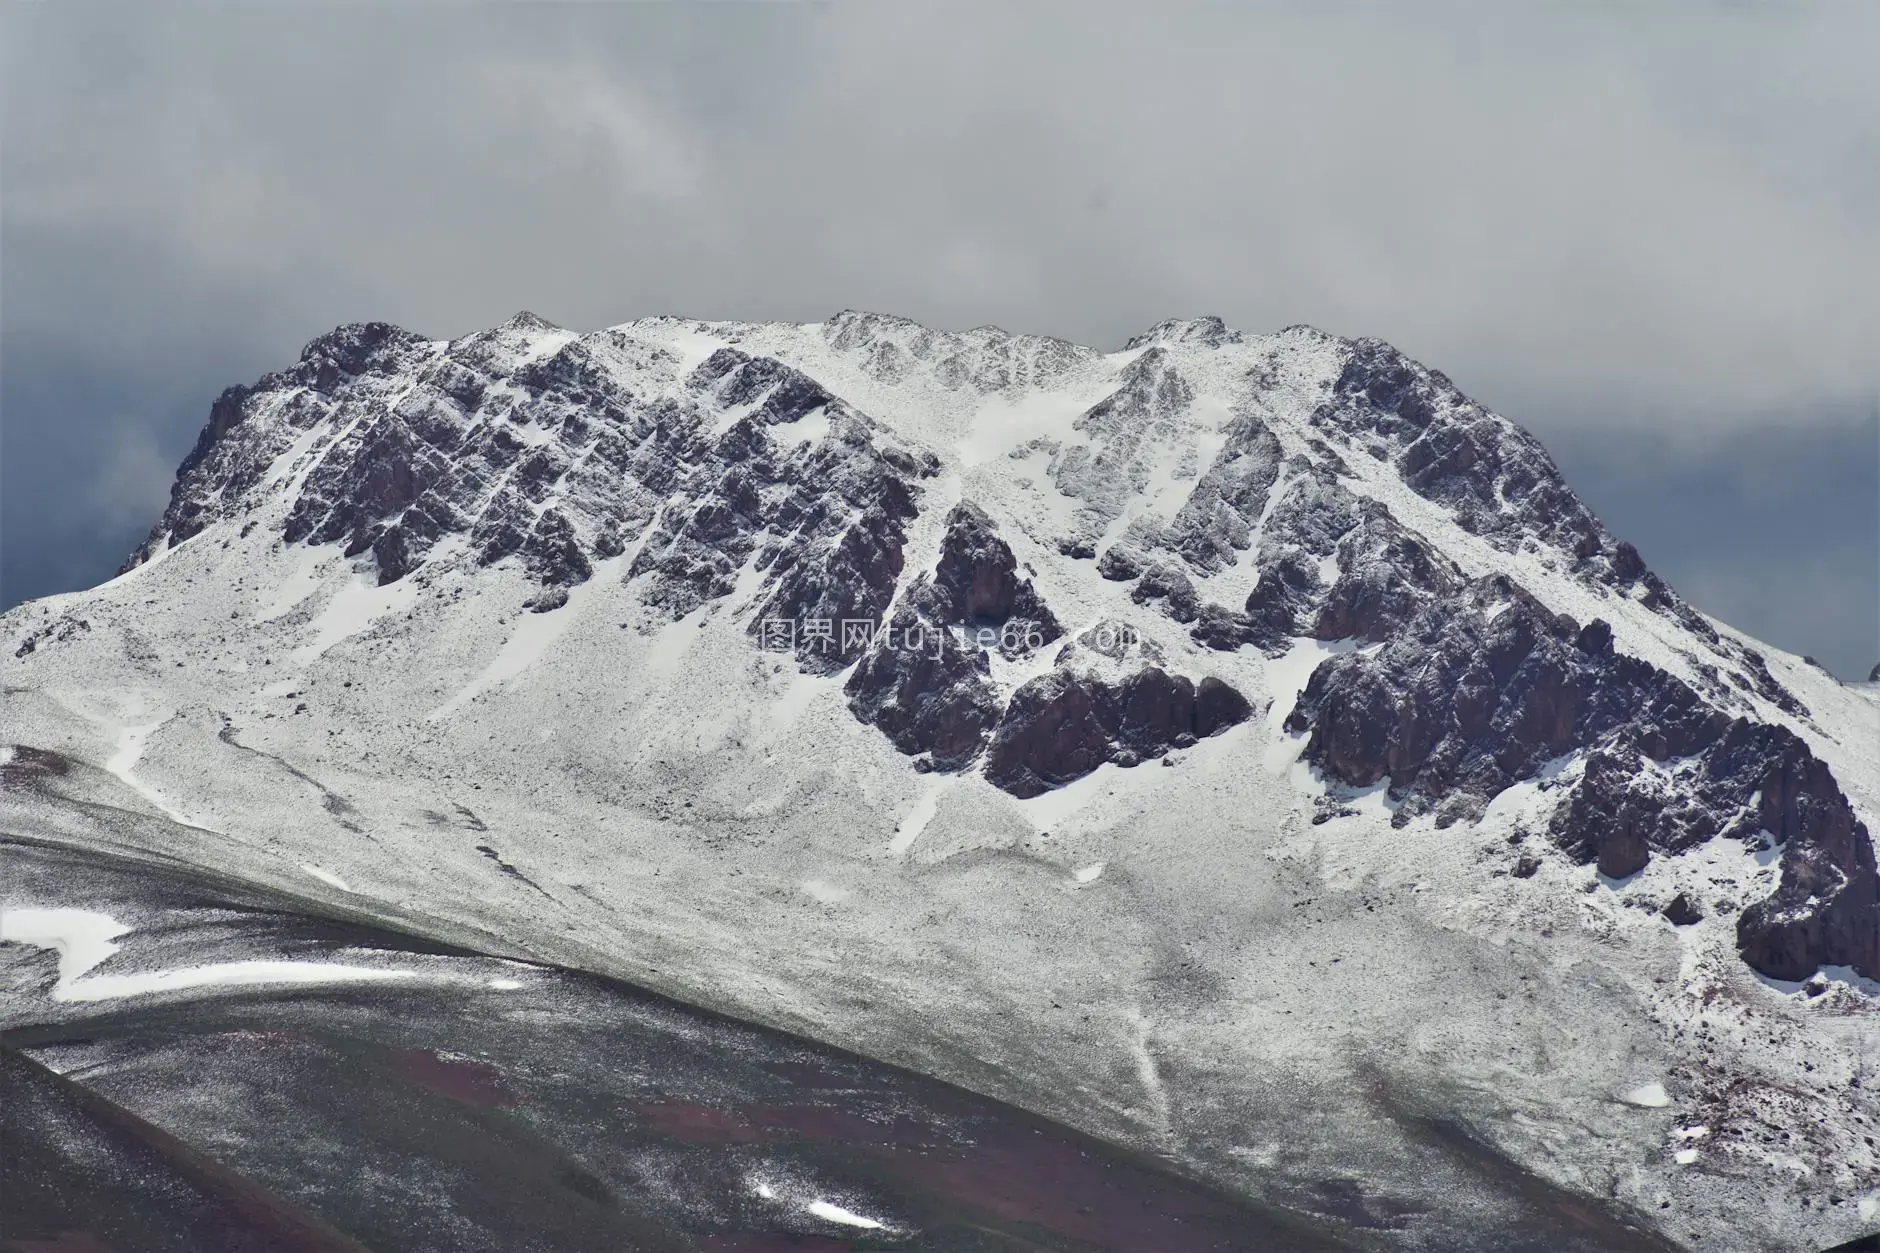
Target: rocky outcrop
<point x="894" y="349"/>
<point x="1495" y="477"/>
<point x="1061" y="726"/>
<point x="1826" y="906"/>
<point x="926" y="682"/>
<point x="1498" y="482"/>
<point x="1387" y="575"/>
<point x="976" y="586"/>
<point x="1485" y="688"/>
<point x="528" y="444"/>
<point x="1216" y="523"/>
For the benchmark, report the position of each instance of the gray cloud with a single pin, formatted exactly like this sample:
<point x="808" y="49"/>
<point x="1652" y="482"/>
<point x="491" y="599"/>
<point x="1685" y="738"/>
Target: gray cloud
<point x="1648" y="229"/>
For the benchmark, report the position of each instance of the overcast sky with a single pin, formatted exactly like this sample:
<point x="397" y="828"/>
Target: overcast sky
<point x="1650" y="235"/>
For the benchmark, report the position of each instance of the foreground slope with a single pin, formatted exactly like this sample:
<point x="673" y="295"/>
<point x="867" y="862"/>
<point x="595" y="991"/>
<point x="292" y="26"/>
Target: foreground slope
<point x="1244" y="748"/>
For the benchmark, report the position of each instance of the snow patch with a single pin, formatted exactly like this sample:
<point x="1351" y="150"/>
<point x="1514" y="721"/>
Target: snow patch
<point x="811" y="428"/>
<point x="353" y="609"/>
<point x="325" y="876"/>
<point x="1647" y="1096"/>
<point x="827" y="893"/>
<point x="301" y="582"/>
<point x="220" y="974"/>
<point x="831" y="1212"/>
<point x="130" y="750"/>
<point x="919" y="816"/>
<point x="83" y="938"/>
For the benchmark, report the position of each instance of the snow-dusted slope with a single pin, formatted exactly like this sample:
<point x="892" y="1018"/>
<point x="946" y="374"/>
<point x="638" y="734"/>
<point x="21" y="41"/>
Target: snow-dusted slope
<point x="822" y="673"/>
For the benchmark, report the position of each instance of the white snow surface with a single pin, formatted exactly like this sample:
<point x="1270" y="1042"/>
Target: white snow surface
<point x="85" y="939"/>
<point x="700" y="818"/>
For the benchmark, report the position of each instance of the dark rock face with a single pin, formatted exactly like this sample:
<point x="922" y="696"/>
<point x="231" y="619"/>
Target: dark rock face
<point x="1496" y="477"/>
<point x="1459" y="705"/>
<point x="1682" y="911"/>
<point x="1167" y="584"/>
<point x="553" y="460"/>
<point x="1215" y="525"/>
<point x="1826" y="907"/>
<point x="976" y="585"/>
<point x="925" y="682"/>
<point x="1611" y="819"/>
<point x="1288" y="590"/>
<point x="1057" y="728"/>
<point x="1061" y="726"/>
<point x="1387" y="575"/>
<point x="927" y="691"/>
<point x="26" y="765"/>
<point x="1499" y="483"/>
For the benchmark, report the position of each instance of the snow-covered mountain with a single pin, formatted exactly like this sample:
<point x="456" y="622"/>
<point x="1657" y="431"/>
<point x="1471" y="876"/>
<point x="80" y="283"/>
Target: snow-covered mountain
<point x="1244" y="748"/>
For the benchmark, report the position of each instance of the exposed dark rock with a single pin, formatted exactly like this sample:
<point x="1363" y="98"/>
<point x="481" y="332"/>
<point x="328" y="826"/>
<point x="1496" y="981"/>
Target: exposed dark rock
<point x="1386" y="575"/>
<point x="1167" y="583"/>
<point x="26" y="765"/>
<point x="1498" y="482"/>
<point x="1119" y="563"/>
<point x="554" y="453"/>
<point x="1215" y="525"/>
<point x="976" y="585"/>
<point x="1826" y="906"/>
<point x="1612" y="816"/>
<point x="845" y="584"/>
<point x="348" y="351"/>
<point x="1627" y="565"/>
<point x="925" y="680"/>
<point x="57" y="631"/>
<point x="1459" y="705"/>
<point x="1056" y="729"/>
<point x="566" y="465"/>
<point x="1218" y="705"/>
<point x="1061" y="726"/>
<point x="1288" y="589"/>
<point x="926" y="690"/>
<point x="1224" y="629"/>
<point x="1595" y="638"/>
<point x="1682" y="911"/>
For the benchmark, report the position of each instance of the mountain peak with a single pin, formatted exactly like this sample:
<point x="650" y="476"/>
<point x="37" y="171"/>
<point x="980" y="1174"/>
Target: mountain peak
<point x="1209" y="332"/>
<point x="1247" y="496"/>
<point x="1235" y="685"/>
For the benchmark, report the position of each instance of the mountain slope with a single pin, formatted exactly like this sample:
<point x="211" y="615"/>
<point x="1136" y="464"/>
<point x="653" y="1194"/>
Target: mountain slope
<point x="818" y="673"/>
